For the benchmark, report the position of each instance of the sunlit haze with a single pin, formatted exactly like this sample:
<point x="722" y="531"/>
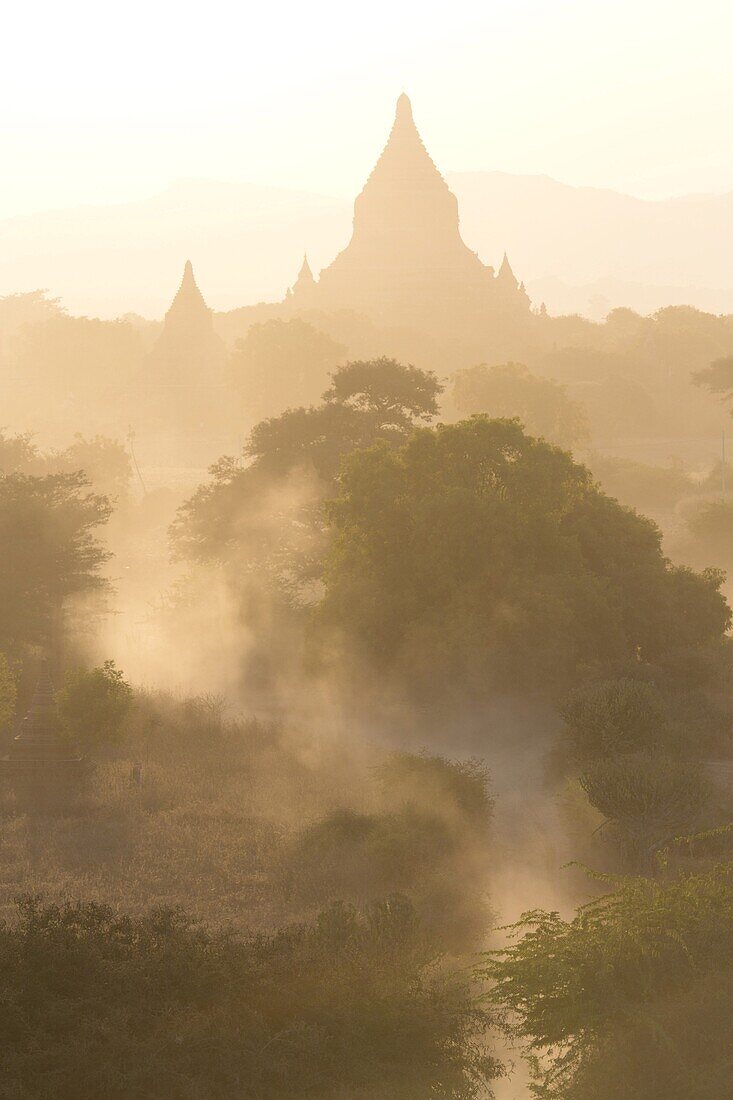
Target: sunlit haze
<point x="366" y="550"/>
<point x="106" y="104"/>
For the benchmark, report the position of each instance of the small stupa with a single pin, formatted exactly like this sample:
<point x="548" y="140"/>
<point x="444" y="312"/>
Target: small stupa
<point x="182" y="385"/>
<point x="42" y="766"/>
<point x="304" y="290"/>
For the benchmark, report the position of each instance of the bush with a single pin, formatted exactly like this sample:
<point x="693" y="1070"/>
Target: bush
<point x="457" y="790"/>
<point x="429" y="841"/>
<point x="615" y="716"/>
<point x="93" y="705"/>
<point x="630" y="1000"/>
<point x="650" y="800"/>
<point x="356" y="1004"/>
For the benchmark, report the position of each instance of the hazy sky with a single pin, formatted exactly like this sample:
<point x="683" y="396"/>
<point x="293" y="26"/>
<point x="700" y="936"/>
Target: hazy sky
<point x="110" y="102"/>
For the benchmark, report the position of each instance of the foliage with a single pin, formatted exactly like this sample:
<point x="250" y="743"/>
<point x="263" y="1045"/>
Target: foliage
<point x="650" y="799"/>
<point x="456" y="789"/>
<point x="615" y="716"/>
<point x="394" y="394"/>
<point x="280" y="364"/>
<point x="101" y="1004"/>
<point x="104" y="461"/>
<point x="315" y="438"/>
<point x="292" y="458"/>
<point x="717" y="377"/>
<point x="510" y="390"/>
<point x="653" y="490"/>
<point x="20" y="455"/>
<point x="710" y="526"/>
<point x="93" y="705"/>
<point x="50" y="552"/>
<point x="632" y="997"/>
<point x="427" y="839"/>
<point x="476" y="558"/>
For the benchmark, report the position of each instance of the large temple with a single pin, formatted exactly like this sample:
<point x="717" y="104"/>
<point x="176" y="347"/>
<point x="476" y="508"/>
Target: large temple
<point x="406" y="285"/>
<point x="406" y="263"/>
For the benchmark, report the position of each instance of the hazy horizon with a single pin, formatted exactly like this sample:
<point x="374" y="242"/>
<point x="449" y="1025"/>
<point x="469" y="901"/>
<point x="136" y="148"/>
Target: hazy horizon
<point x="205" y="92"/>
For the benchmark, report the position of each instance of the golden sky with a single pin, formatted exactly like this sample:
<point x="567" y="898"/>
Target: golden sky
<point x="113" y="102"/>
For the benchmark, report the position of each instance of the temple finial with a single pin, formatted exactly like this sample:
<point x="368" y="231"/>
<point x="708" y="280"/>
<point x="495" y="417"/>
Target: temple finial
<point x="505" y="273"/>
<point x="403" y="112"/>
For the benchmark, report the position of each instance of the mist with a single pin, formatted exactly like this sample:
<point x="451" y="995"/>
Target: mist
<point x="365" y="655"/>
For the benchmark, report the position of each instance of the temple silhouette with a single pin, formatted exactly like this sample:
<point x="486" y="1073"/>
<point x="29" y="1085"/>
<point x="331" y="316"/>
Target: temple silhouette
<point x="406" y="285"/>
<point x="406" y="263"/>
<point x="188" y="345"/>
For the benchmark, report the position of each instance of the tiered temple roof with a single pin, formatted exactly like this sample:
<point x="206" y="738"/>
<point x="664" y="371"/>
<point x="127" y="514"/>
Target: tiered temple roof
<point x="406" y="263"/>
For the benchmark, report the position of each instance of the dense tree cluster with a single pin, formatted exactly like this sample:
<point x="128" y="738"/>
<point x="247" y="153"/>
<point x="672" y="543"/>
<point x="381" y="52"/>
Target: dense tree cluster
<point x="477" y="559"/>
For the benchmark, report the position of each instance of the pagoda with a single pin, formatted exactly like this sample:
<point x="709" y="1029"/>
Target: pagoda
<point x="188" y="344"/>
<point x="406" y="263"/>
<point x="43" y="768"/>
<point x="181" y="391"/>
<point x="304" y="291"/>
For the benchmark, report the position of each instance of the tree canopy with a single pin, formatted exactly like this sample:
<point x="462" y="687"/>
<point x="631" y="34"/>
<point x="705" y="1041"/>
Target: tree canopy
<point x="475" y="557"/>
<point x="280" y="364"/>
<point x="50" y="551"/>
<point x="542" y="404"/>
<point x="367" y="401"/>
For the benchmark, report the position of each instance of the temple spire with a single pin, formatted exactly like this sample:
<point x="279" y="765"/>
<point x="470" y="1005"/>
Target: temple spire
<point x="505" y="273"/>
<point x="188" y="301"/>
<point x="403" y="112"/>
<point x="302" y="290"/>
<point x="305" y="274"/>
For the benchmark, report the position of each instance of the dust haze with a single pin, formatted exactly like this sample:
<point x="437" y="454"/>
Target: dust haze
<point x="365" y="658"/>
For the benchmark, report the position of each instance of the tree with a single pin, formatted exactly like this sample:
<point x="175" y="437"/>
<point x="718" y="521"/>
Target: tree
<point x="717" y="378"/>
<point x="104" y="461"/>
<point x="649" y="800"/>
<point x="20" y="455"/>
<point x="630" y="1000"/>
<point x="49" y="553"/>
<point x="282" y="364"/>
<point x="296" y="457"/>
<point x="710" y="527"/>
<point x="396" y="395"/>
<point x="93" y="705"/>
<point x="474" y="558"/>
<point x="613" y="717"/>
<point x="542" y="404"/>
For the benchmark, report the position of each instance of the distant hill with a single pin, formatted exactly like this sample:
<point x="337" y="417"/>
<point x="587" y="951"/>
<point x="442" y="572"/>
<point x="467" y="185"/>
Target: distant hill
<point x="579" y="249"/>
<point x="246" y="243"/>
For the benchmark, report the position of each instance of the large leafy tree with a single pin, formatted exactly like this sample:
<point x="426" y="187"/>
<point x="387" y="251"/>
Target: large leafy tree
<point x="49" y="552"/>
<point x="475" y="558"/>
<point x="259" y="510"/>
